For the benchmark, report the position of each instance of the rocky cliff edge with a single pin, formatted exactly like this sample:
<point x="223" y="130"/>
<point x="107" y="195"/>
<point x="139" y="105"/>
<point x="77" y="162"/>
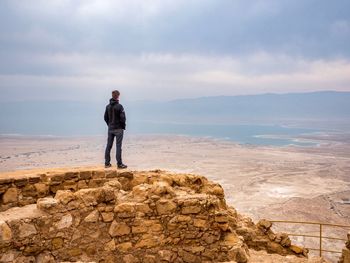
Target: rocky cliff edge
<point x="107" y="215"/>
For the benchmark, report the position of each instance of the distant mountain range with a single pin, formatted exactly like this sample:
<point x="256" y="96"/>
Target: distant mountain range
<point x="66" y="117"/>
<point x="315" y="105"/>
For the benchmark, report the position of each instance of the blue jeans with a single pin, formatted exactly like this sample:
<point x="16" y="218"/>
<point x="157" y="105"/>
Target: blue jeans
<point x="118" y="134"/>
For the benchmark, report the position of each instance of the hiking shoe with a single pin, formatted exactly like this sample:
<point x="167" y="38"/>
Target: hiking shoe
<point x="122" y="166"/>
<point x="108" y="165"/>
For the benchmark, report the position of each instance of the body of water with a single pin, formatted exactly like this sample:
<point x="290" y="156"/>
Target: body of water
<point x="274" y="135"/>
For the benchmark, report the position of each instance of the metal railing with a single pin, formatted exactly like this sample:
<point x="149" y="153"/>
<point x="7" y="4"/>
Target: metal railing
<point x="320" y="236"/>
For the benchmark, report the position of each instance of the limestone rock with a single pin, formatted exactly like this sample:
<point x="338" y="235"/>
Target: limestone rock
<point x="24" y="259"/>
<point x="190" y="210"/>
<point x="10" y="196"/>
<point x="90" y="196"/>
<point x="231" y="239"/>
<point x="239" y="254"/>
<point x="200" y="223"/>
<point x="130" y="259"/>
<point x="92" y="217"/>
<point x="141" y="192"/>
<point x="123" y="247"/>
<point x="183" y="218"/>
<point x="125" y="210"/>
<point x="107" y="216"/>
<point x="165" y="206"/>
<point x="110" y="246"/>
<point x="297" y="249"/>
<point x="147" y="241"/>
<point x="189" y="257"/>
<point x="66" y="221"/>
<point x="47" y="204"/>
<point x="8" y="257"/>
<point x="109" y="193"/>
<point x="73" y="252"/>
<point x="139" y="229"/>
<point x="345" y="257"/>
<point x="45" y="257"/>
<point x="221" y="217"/>
<point x="26" y="230"/>
<point x="5" y="231"/>
<point x="264" y="224"/>
<point x="180" y="179"/>
<point x="82" y="184"/>
<point x="119" y="229"/>
<point x="64" y="196"/>
<point x="29" y="191"/>
<point x="213" y="189"/>
<point x="143" y="208"/>
<point x="286" y="242"/>
<point x="161" y="189"/>
<point x="41" y="188"/>
<point x="167" y="255"/>
<point x="149" y="259"/>
<point x="139" y="179"/>
<point x="195" y="249"/>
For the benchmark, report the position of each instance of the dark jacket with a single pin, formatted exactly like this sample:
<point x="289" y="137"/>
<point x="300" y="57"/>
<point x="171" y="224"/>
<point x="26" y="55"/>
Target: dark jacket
<point x="115" y="115"/>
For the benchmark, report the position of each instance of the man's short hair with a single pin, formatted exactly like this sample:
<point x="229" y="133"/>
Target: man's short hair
<point x="115" y="93"/>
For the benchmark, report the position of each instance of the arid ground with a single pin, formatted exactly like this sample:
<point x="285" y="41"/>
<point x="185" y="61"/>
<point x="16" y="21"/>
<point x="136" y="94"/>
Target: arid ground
<point x="288" y="183"/>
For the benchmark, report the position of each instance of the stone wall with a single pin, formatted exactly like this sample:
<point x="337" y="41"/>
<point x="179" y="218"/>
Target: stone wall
<point x="108" y="216"/>
<point x="26" y="189"/>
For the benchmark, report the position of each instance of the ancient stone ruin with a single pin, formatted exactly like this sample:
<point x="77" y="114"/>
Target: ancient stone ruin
<point x="98" y="215"/>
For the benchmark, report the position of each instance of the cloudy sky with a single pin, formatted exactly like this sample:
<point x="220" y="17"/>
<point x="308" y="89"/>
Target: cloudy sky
<point x="165" y="49"/>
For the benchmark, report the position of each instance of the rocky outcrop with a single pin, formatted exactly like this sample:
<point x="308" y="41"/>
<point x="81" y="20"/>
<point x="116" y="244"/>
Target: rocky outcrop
<point x="345" y="256"/>
<point x="112" y="216"/>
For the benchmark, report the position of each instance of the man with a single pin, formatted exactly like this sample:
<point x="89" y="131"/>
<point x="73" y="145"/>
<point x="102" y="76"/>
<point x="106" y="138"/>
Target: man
<point x="115" y="119"/>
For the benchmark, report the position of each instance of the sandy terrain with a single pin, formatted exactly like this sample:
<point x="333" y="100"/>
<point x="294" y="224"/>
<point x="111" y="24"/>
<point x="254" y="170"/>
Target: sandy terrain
<point x="293" y="183"/>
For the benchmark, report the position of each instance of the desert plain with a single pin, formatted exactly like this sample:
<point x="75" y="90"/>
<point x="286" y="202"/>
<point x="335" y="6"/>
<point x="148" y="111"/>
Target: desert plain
<point x="278" y="183"/>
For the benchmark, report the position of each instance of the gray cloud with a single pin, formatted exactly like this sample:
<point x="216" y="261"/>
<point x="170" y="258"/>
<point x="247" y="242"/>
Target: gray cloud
<point x="309" y="28"/>
<point x="166" y="76"/>
<point x="171" y="49"/>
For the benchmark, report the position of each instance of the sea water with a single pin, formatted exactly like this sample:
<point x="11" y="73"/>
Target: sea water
<point x="247" y="134"/>
<point x="275" y="135"/>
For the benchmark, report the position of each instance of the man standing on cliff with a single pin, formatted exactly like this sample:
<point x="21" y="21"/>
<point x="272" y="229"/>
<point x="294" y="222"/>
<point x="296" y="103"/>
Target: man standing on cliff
<point x="115" y="119"/>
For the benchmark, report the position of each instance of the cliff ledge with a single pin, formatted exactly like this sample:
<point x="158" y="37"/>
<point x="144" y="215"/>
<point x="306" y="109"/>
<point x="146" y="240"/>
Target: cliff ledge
<point x="107" y="215"/>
